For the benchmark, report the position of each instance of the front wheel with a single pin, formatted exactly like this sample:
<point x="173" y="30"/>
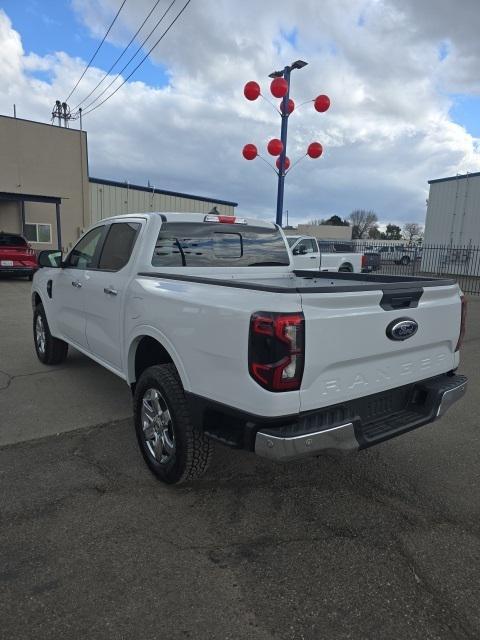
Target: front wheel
<point x="405" y="261"/>
<point x="49" y="350"/>
<point x="174" y="449"/>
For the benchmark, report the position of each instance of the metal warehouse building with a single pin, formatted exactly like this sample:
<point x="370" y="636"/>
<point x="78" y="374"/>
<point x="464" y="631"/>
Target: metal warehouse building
<point x="453" y="212"/>
<point x="46" y="192"/>
<point x="452" y="225"/>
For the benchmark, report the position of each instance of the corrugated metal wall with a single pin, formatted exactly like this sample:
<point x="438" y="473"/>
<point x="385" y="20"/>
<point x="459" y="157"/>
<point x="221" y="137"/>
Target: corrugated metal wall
<point x="452" y="227"/>
<point x="453" y="212"/>
<point x="107" y="200"/>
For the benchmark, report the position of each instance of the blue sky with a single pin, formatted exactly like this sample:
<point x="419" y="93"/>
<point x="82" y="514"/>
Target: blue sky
<point x="47" y="26"/>
<point x="387" y="66"/>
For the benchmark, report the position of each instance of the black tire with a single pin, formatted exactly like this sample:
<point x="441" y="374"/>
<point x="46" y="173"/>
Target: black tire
<point x="405" y="261"/>
<point x="52" y="350"/>
<point x="346" y="268"/>
<point x="192" y="451"/>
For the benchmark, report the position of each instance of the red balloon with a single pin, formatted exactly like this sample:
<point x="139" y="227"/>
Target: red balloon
<point x="321" y="103"/>
<point x="275" y="147"/>
<point x="250" y="152"/>
<point x="291" y="105"/>
<point x="279" y="87"/>
<point x="251" y="90"/>
<point x="286" y="165"/>
<point x="314" y="150"/>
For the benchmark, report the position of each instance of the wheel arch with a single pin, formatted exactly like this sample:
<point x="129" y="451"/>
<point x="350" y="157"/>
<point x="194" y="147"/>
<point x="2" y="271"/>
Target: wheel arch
<point x="147" y="348"/>
<point x="346" y="266"/>
<point x="36" y="299"/>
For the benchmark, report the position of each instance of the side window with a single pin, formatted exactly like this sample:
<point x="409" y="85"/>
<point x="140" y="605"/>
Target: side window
<point x="118" y="245"/>
<point x="304" y="247"/>
<point x="313" y="246"/>
<point x="81" y="257"/>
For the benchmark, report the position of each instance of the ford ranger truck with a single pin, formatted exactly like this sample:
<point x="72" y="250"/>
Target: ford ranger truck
<point x="221" y="339"/>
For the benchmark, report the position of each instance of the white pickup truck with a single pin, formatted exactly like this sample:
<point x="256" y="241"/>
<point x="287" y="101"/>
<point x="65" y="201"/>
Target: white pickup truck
<point x="309" y="253"/>
<point x="220" y="338"/>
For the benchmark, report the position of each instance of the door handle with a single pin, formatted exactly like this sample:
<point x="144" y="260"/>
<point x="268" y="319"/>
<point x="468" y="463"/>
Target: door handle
<point x="77" y="284"/>
<point x="313" y="257"/>
<point x="110" y="291"/>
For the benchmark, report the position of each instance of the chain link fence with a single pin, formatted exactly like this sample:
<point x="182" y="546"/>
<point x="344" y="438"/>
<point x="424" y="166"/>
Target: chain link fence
<point x="462" y="263"/>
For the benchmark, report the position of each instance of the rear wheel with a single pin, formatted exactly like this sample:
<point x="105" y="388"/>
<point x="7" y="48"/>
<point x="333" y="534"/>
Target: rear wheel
<point x="174" y="449"/>
<point x="49" y="350"/>
<point x="405" y="261"/>
<point x="346" y="267"/>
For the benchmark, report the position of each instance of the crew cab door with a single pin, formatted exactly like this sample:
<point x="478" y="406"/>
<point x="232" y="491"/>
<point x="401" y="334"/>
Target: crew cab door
<point x="306" y="254"/>
<point x="69" y="288"/>
<point x="105" y="291"/>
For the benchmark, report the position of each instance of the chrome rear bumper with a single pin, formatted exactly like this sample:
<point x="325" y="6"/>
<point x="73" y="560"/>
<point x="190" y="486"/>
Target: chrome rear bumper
<point x="437" y="397"/>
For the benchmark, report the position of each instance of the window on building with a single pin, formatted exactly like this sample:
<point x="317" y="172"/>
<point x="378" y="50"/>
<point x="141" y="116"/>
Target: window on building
<point x="38" y="232"/>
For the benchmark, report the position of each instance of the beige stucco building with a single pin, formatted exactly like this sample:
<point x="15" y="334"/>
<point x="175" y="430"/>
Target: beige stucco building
<point x="321" y="231"/>
<point x="44" y="175"/>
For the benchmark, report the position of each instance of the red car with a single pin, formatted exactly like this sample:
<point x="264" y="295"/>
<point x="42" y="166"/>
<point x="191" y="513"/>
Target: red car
<point x="16" y="255"/>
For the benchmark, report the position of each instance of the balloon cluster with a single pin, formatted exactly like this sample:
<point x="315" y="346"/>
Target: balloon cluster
<point x="279" y="89"/>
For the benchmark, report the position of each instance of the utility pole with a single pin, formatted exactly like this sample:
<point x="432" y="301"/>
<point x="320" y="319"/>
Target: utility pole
<point x="61" y="110"/>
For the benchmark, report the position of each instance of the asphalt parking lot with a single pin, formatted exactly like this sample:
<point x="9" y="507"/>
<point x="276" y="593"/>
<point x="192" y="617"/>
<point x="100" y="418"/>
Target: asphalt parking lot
<point x="382" y="544"/>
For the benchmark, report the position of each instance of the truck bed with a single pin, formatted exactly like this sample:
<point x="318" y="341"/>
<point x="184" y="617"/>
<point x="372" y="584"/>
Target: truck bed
<point x="306" y="281"/>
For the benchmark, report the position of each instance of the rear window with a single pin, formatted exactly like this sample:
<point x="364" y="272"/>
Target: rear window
<point x="218" y="245"/>
<point x="7" y="239"/>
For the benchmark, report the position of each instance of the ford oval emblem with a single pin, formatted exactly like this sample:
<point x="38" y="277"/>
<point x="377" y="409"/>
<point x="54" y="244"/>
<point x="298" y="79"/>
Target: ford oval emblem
<point x="402" y="329"/>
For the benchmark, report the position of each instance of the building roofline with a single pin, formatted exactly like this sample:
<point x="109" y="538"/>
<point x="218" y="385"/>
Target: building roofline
<point x="45" y="124"/>
<point x="177" y="194"/>
<point x="458" y="177"/>
<point x="28" y="197"/>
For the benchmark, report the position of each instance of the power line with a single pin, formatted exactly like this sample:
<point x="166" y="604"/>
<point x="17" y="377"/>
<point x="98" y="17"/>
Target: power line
<point x="120" y="56"/>
<point x="97" y="50"/>
<point x="143" y="59"/>
<point x="132" y="57"/>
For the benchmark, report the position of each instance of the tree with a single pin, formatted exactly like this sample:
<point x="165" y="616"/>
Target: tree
<point x="393" y="232"/>
<point x="334" y="220"/>
<point x="412" y="230"/>
<point x="362" y="221"/>
<point x="374" y="233"/>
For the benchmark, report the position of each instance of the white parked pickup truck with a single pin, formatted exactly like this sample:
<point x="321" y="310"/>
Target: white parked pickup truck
<point x="309" y="253"/>
<point x="220" y="338"/>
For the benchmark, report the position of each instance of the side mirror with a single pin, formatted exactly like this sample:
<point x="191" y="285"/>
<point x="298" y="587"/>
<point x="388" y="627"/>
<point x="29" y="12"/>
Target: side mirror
<point x="50" y="258"/>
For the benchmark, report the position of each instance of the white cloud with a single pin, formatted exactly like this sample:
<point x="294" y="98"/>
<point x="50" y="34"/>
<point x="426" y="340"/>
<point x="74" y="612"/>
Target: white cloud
<point x="388" y="130"/>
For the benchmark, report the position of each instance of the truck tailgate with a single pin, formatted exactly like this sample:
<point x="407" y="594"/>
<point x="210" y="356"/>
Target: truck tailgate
<point x="348" y="353"/>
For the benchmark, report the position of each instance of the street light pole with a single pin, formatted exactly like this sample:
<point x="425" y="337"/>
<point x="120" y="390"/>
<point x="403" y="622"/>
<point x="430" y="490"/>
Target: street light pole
<point x="283" y="138"/>
<point x="280" y="88"/>
<point x="298" y="64"/>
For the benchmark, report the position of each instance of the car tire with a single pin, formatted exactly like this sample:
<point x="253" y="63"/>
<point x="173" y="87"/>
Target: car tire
<point x="346" y="268"/>
<point x="49" y="350"/>
<point x="405" y="261"/>
<point x="175" y="450"/>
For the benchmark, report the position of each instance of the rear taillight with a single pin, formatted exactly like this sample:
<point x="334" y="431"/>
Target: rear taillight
<point x="364" y="261"/>
<point x="276" y="351"/>
<point x="224" y="219"/>
<point x="463" y="320"/>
